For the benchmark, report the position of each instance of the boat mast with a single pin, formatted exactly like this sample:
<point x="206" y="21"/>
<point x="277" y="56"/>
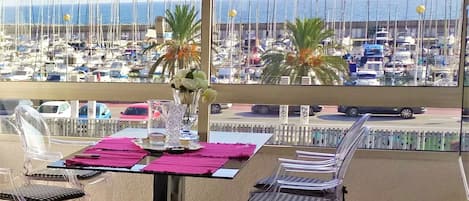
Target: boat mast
<point x="90" y="23"/>
<point x="54" y="22"/>
<point x="41" y="24"/>
<point x="389" y="17"/>
<point x="343" y="18"/>
<point x="148" y="14"/>
<point x="30" y="19"/>
<point x="257" y="19"/>
<point x="17" y="13"/>
<point x="286" y="18"/>
<point x="111" y="25"/>
<point x="424" y="23"/>
<point x="367" y="20"/>
<point x="325" y="10"/>
<point x="376" y="19"/>
<point x="445" y="30"/>
<point x="267" y="20"/>
<point x="72" y="13"/>
<point x="274" y="20"/>
<point x="316" y="12"/>
<point x="333" y="16"/>
<point x="430" y="25"/>
<point x="134" y="21"/>
<point x="407" y="14"/>
<point x="79" y="20"/>
<point x="351" y="18"/>
<point x="248" y="58"/>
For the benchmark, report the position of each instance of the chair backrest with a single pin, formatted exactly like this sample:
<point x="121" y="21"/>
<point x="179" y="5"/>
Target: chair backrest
<point x="349" y="154"/>
<point x="33" y="130"/>
<point x="36" y="140"/>
<point x="351" y="134"/>
<point x="7" y="126"/>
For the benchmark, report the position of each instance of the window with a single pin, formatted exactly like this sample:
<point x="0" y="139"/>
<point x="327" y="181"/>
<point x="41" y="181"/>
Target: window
<point x="235" y="67"/>
<point x="48" y="109"/>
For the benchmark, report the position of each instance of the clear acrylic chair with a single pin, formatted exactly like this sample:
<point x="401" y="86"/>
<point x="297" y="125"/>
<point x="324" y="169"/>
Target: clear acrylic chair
<point x="307" y="189"/>
<point x="316" y="158"/>
<point x="36" y="142"/>
<point x="17" y="188"/>
<point x="7" y="126"/>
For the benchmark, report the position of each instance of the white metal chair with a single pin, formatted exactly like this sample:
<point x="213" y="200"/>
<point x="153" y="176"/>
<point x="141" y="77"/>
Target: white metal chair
<point x="18" y="188"/>
<point x="315" y="158"/>
<point x="333" y="188"/>
<point x="36" y="142"/>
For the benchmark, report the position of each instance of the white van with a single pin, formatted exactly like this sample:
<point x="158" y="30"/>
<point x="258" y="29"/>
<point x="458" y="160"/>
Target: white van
<point x="55" y="109"/>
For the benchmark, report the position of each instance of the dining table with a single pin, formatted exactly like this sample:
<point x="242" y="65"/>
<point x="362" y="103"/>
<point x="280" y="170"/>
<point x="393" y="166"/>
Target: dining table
<point x="170" y="185"/>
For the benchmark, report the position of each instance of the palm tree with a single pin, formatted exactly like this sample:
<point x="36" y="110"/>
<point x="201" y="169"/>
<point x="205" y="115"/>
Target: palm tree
<point x="306" y="57"/>
<point x="182" y="51"/>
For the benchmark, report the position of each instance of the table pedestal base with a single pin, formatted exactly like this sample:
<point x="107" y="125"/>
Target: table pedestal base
<point x="168" y="188"/>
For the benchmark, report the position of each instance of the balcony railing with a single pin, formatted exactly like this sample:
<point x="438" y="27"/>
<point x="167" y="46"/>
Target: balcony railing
<point x="285" y="134"/>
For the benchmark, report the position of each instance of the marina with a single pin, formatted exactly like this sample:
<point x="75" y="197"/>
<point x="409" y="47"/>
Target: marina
<point x="416" y="50"/>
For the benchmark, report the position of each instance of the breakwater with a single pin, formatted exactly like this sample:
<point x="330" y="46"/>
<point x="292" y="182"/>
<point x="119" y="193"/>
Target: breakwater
<point x="431" y="28"/>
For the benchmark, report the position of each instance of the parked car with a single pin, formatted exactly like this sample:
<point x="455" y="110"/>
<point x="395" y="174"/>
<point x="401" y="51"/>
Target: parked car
<point x="102" y="111"/>
<point x="269" y="109"/>
<point x="7" y="106"/>
<point x="136" y="111"/>
<point x="217" y="107"/>
<point x="404" y="112"/>
<point x="55" y="109"/>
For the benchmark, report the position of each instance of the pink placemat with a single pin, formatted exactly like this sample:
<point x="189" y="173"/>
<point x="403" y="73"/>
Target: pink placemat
<point x="113" y="152"/>
<point x="183" y="164"/>
<point x="119" y="144"/>
<point x="222" y="150"/>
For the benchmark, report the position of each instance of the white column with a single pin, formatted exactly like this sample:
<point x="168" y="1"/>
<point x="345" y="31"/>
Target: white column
<point x="92" y="109"/>
<point x="74" y="103"/>
<point x="304" y="109"/>
<point x="283" y="110"/>
<point x="92" y="103"/>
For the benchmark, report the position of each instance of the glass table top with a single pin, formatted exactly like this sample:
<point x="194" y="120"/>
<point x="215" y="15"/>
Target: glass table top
<point x="228" y="171"/>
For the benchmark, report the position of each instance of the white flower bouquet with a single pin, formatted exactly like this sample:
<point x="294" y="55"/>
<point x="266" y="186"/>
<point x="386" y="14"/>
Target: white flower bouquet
<point x="187" y="81"/>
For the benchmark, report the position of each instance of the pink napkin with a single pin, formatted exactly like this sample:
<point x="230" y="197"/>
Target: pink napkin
<point x="222" y="150"/>
<point x="113" y="152"/>
<point x="183" y="164"/>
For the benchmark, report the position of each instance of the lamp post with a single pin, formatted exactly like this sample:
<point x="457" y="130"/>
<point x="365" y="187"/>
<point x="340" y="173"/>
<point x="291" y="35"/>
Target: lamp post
<point x="420" y="10"/>
<point x="232" y="14"/>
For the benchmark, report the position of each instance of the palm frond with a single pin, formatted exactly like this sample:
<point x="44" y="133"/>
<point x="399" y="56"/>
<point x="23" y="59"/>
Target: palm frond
<point x="307" y="36"/>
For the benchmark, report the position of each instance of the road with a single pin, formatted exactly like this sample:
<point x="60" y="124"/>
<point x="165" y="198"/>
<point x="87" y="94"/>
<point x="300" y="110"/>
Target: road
<point x="435" y="118"/>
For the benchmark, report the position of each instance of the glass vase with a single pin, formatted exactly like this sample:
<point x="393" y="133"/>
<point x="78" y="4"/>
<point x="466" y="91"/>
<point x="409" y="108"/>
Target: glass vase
<point x="191" y="100"/>
<point x="171" y="114"/>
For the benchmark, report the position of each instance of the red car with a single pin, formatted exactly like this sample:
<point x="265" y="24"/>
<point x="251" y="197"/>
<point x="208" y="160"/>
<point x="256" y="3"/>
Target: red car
<point x="136" y="111"/>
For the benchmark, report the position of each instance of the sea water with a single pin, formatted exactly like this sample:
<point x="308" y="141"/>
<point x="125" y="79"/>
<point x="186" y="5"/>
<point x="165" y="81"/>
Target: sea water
<point x="262" y="11"/>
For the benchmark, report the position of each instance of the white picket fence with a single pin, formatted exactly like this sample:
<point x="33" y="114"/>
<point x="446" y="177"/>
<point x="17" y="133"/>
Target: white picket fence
<point x="287" y="134"/>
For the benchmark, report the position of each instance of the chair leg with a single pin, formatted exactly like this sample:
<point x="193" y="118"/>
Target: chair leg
<point x="103" y="184"/>
<point x="344" y="191"/>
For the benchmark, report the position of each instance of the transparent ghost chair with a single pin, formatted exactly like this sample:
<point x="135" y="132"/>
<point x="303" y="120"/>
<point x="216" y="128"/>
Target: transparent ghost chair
<point x="308" y="188"/>
<point x="37" y="143"/>
<point x="7" y="126"/>
<point x="18" y="188"/>
<point x="316" y="158"/>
